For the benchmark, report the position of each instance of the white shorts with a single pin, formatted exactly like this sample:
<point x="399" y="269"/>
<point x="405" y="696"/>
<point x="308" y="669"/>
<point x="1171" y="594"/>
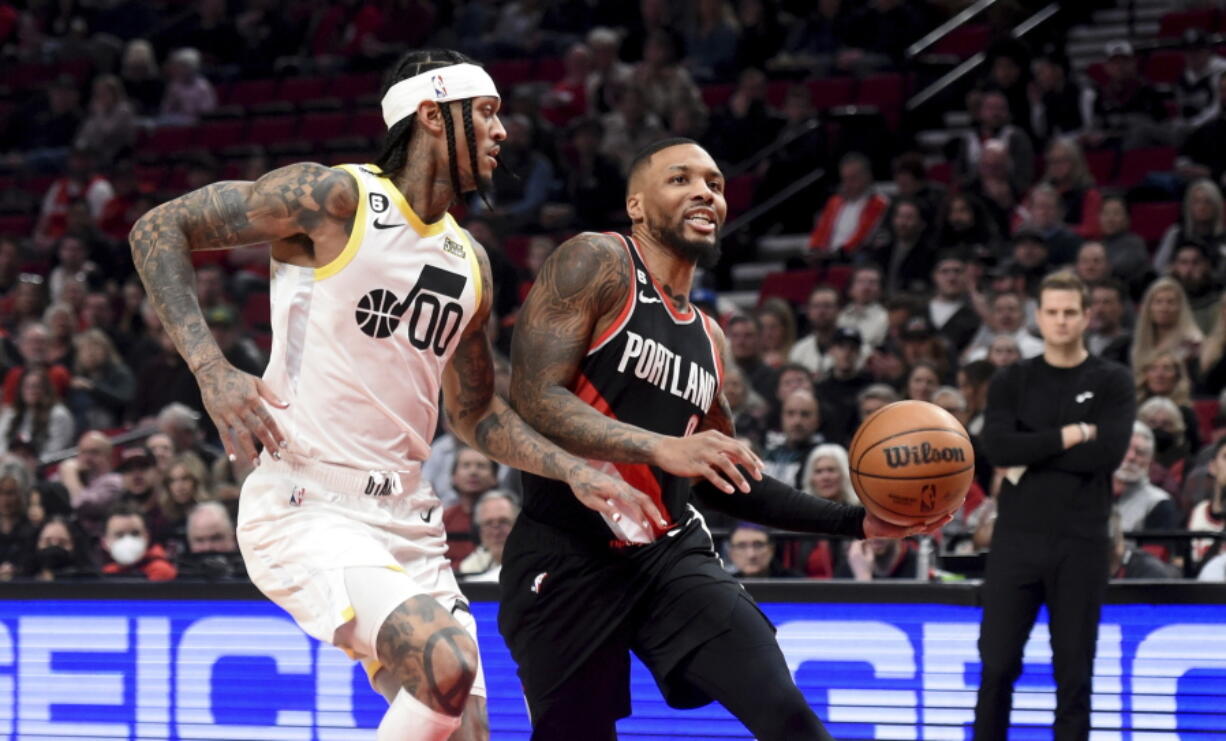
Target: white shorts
<point x="302" y="524"/>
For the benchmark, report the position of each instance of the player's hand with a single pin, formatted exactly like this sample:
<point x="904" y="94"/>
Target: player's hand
<point x="711" y="455"/>
<point x="611" y="496"/>
<point x="235" y="401"/>
<point x="875" y="527"/>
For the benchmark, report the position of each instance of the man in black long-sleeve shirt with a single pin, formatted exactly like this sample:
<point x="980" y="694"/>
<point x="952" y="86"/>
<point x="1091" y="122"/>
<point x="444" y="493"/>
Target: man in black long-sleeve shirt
<point x="1059" y="424"/>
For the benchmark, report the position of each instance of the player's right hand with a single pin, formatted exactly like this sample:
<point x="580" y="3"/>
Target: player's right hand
<point x="235" y="402"/>
<point x="613" y="497"/>
<point x="711" y="455"/>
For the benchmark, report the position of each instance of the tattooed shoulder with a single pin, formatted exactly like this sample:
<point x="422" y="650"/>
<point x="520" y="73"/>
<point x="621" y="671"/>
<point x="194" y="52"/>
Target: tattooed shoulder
<point x="588" y="265"/>
<point x="309" y="193"/>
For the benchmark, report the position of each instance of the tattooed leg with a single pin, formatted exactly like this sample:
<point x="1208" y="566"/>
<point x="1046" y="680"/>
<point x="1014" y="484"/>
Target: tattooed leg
<point x="430" y="655"/>
<point x="474" y="725"/>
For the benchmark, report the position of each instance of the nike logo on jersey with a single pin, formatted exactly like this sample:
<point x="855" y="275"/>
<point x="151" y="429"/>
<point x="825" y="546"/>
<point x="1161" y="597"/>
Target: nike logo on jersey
<point x="648" y="299"/>
<point x="380" y="225"/>
<point x="1084" y="396"/>
<point x="425" y="516"/>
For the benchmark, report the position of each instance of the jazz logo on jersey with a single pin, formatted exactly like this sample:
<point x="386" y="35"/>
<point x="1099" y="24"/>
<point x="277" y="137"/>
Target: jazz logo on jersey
<point x="440" y="90"/>
<point x="378" y="202"/>
<point x="432" y="323"/>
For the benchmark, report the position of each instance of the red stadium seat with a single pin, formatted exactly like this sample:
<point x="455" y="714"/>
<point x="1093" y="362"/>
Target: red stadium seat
<point x="1151" y="220"/>
<point x="245" y="93"/>
<point x="1164" y="66"/>
<point x="1135" y="164"/>
<point x="716" y="95"/>
<point x="941" y="172"/>
<point x="550" y="69"/>
<point x="1174" y="24"/>
<point x="17" y="225"/>
<point x="272" y="130"/>
<point x="1101" y="163"/>
<point x="323" y="126"/>
<point x="837" y="277"/>
<point x="964" y="41"/>
<point x="217" y="135"/>
<point x="515" y="247"/>
<point x="367" y="124"/>
<point x="793" y="285"/>
<point x="884" y="92"/>
<point x="171" y="139"/>
<point x="349" y="87"/>
<point x="298" y="89"/>
<point x="510" y="72"/>
<point x="1098" y="73"/>
<point x="777" y="92"/>
<point x="257" y="312"/>
<point x="830" y="92"/>
<point x="739" y="193"/>
<point x="1206" y="410"/>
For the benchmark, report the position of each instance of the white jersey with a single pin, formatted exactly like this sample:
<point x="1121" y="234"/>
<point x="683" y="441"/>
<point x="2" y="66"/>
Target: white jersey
<point x="360" y="344"/>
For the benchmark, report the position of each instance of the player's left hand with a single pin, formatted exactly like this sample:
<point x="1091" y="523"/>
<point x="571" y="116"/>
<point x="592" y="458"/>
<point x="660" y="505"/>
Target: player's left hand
<point x="604" y="493"/>
<point x="875" y="527"/>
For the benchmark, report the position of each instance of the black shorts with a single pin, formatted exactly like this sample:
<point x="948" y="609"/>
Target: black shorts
<point x="571" y="613"/>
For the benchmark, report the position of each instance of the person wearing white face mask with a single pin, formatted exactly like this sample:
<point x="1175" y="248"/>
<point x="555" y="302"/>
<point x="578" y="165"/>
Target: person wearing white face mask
<point x="126" y="541"/>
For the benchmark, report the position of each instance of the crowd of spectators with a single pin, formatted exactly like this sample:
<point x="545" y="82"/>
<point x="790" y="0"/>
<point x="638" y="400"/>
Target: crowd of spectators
<point x="929" y="272"/>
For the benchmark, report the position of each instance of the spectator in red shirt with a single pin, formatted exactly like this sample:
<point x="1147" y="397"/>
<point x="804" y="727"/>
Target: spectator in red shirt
<point x="472" y="475"/>
<point x="851" y="215"/>
<point x="129" y="552"/>
<point x="567" y="99"/>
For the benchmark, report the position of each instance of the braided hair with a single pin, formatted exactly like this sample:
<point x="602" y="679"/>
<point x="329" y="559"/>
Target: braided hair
<point x="393" y="154"/>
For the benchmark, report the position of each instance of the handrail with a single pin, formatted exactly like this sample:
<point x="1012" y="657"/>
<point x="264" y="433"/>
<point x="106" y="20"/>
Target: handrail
<point x="752" y="161"/>
<point x="938" y="87"/>
<point x="943" y="30"/>
<point x="752" y="214"/>
<point x="123" y="438"/>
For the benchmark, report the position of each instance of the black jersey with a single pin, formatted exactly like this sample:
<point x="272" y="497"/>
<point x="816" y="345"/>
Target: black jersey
<point x="654" y="368"/>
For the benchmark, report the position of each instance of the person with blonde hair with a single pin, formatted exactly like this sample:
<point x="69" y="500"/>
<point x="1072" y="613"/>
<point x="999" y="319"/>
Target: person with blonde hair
<point x="1069" y="176"/>
<point x="1204" y="219"/>
<point x="1165" y="323"/>
<point x="186" y="486"/>
<point x="778" y="324"/>
<point x="102" y="384"/>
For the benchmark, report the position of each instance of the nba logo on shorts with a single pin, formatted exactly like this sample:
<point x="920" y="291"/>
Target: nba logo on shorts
<point x="295" y="496"/>
<point x="439" y="90"/>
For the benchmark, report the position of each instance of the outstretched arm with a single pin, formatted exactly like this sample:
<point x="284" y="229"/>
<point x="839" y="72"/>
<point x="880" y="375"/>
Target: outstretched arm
<point x="295" y="207"/>
<point x="484" y="421"/>
<point x="584" y="282"/>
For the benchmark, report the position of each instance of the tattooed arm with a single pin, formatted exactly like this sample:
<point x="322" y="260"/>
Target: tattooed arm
<point x="483" y="420"/>
<point x="306" y="210"/>
<point x="581" y="287"/>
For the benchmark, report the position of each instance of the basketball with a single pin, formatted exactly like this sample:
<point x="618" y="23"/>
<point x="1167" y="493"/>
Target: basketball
<point x="911" y="462"/>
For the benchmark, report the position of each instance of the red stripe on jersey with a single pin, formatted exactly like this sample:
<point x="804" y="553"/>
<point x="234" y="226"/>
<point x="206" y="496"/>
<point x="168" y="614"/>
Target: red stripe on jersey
<point x="624" y="315"/>
<point x="715" y="353"/>
<point x="638" y="475"/>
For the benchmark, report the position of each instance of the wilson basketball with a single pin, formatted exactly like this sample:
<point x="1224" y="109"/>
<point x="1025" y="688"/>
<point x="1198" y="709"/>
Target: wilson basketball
<point x="911" y="462"/>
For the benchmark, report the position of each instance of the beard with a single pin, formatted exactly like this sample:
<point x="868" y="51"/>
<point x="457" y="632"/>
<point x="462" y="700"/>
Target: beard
<point x="1130" y="473"/>
<point x="704" y="254"/>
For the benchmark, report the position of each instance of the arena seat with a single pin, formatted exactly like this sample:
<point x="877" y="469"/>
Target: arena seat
<point x="1206" y="410"/>
<point x="1136" y="164"/>
<point x="272" y="130"/>
<point x="367" y="124"/>
<point x="323" y="126"/>
<point x="830" y="92"/>
<point x="348" y="87"/>
<point x="964" y="41"/>
<point x="1150" y="220"/>
<point x="739" y="194"/>
<point x="18" y="225"/>
<point x="172" y="139"/>
<point x="247" y="93"/>
<point x="549" y="69"/>
<point x="1101" y="163"/>
<point x="257" y="312"/>
<point x="510" y="72"/>
<point x="297" y="90"/>
<point x="1164" y="66"/>
<point x="1174" y="24"/>
<point x="715" y="96"/>
<point x="218" y="135"/>
<point x="941" y="172"/>
<point x="837" y="277"/>
<point x="790" y="285"/>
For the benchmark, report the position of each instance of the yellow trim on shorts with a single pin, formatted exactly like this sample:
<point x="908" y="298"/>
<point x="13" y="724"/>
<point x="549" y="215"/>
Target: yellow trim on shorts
<point x="395" y="568"/>
<point x="355" y="238"/>
<point x="473" y="263"/>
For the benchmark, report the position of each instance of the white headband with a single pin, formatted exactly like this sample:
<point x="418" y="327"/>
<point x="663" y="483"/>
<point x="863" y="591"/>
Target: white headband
<point x="456" y="82"/>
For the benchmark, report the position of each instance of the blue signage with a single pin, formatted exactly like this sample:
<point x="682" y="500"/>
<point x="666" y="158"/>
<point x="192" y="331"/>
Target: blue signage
<point x="238" y="670"/>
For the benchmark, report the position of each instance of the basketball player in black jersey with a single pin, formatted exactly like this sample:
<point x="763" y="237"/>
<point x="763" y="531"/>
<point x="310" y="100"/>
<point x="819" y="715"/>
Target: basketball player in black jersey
<point x="610" y="361"/>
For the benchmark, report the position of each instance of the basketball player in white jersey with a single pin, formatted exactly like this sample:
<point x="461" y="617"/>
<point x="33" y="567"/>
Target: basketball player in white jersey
<point x="378" y="303"/>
